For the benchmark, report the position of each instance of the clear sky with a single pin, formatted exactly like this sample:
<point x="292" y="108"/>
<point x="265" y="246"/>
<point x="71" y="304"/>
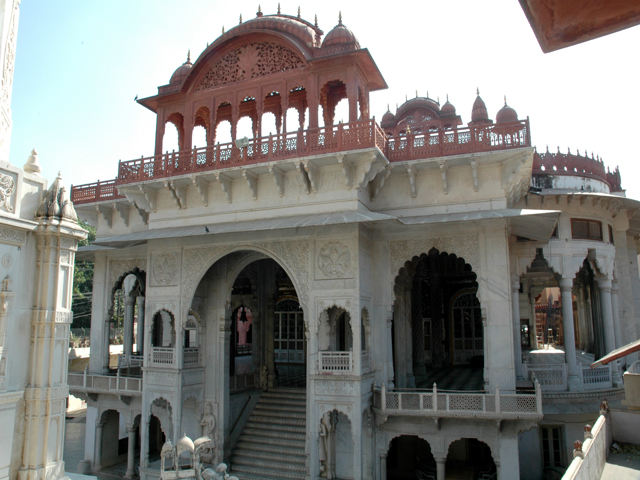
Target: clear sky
<point x="80" y="64"/>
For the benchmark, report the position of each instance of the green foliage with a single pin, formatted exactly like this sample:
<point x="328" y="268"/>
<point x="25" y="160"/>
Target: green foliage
<point x="83" y="284"/>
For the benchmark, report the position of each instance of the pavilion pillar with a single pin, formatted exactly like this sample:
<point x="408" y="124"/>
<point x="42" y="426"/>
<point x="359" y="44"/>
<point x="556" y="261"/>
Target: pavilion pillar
<point x="97" y="458"/>
<point x="127" y="340"/>
<point x="582" y="322"/>
<point x="144" y="442"/>
<point x="417" y="331"/>
<point x="141" y="320"/>
<point x="616" y="320"/>
<point x="604" y="285"/>
<point x="107" y="342"/>
<point x="566" y="294"/>
<point x="399" y="323"/>
<point x="440" y="467"/>
<point x="160" y="126"/>
<point x="517" y="342"/>
<point x="131" y="452"/>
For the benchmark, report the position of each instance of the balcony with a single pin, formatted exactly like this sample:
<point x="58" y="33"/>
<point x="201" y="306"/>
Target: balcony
<point x="130" y="361"/>
<point x="342" y="363"/>
<point x="191" y="357"/>
<point x="163" y="356"/>
<point x="84" y="383"/>
<point x="432" y="403"/>
<point x="347" y="137"/>
<point x="553" y="377"/>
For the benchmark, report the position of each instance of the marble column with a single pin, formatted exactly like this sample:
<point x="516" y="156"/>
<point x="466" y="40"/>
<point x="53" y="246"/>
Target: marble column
<point x="440" y="468"/>
<point x="616" y="321"/>
<point x="107" y="343"/>
<point x="127" y="336"/>
<point x="97" y="458"/>
<point x="517" y="342"/>
<point x="144" y="443"/>
<point x="566" y="293"/>
<point x="417" y="330"/>
<point x="604" y="285"/>
<point x="390" y="373"/>
<point x="131" y="452"/>
<point x="141" y="319"/>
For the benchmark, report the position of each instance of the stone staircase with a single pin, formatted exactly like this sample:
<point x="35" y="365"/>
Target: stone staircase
<point x="272" y="443"/>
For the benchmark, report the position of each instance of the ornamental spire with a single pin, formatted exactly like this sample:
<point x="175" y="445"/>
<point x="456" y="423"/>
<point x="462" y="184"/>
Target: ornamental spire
<point x="240" y="20"/>
<point x="188" y="56"/>
<point x="298" y="11"/>
<point x="340" y="18"/>
<point x="278" y="8"/>
<point x="223" y="30"/>
<point x="316" y="20"/>
<point x="505" y="100"/>
<point x="477" y="91"/>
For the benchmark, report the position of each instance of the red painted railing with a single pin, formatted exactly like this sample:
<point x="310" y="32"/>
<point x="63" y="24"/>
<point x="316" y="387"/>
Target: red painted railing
<point x="315" y="141"/>
<point x="569" y="164"/>
<point x="95" y="192"/>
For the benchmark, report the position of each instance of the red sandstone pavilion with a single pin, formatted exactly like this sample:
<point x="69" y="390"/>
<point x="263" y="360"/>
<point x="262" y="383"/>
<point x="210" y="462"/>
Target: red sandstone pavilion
<point x="422" y="294"/>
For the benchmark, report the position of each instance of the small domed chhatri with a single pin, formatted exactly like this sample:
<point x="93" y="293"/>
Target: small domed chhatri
<point x="182" y="71"/>
<point x="479" y="114"/>
<point x="340" y="35"/>
<point x="448" y="110"/>
<point x="506" y="114"/>
<point x="388" y="119"/>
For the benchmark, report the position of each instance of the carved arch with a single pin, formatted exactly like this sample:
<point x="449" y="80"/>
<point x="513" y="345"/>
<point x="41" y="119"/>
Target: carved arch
<point x="141" y="275"/>
<point x="486" y="440"/>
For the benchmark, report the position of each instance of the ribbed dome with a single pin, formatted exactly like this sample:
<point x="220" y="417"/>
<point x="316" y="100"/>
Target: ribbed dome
<point x="185" y="444"/>
<point x="182" y="71"/>
<point x="418" y="102"/>
<point x="448" y="110"/>
<point x="506" y="114"/>
<point x="340" y="35"/>
<point x="479" y="112"/>
<point x="388" y="119"/>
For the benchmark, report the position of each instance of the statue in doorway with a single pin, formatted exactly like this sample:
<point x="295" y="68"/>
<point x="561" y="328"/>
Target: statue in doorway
<point x="327" y="430"/>
<point x="208" y="424"/>
<point x="264" y="377"/>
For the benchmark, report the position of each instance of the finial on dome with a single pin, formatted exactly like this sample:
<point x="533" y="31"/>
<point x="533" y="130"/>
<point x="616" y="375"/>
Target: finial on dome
<point x="223" y="29"/>
<point x="33" y="165"/>
<point x="548" y="148"/>
<point x="188" y="56"/>
<point x="207" y="44"/>
<point x="240" y="20"/>
<point x="477" y="91"/>
<point x="416" y="93"/>
<point x="505" y="100"/>
<point x="259" y="9"/>
<point x="438" y="99"/>
<point x="298" y="11"/>
<point x="388" y="108"/>
<point x="278" y="8"/>
<point x="340" y="18"/>
<point x="427" y="93"/>
<point x="447" y="97"/>
<point x="316" y="21"/>
<point x="396" y="106"/>
<point x="406" y="97"/>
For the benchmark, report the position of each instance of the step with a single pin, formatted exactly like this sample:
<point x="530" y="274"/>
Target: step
<point x="270" y="427"/>
<point x="257" y="472"/>
<point x="275" y="407"/>
<point x="260" y="412"/>
<point x="268" y="446"/>
<point x="287" y="462"/>
<point x="278" y="441"/>
<point x="260" y="432"/>
<point x="280" y="420"/>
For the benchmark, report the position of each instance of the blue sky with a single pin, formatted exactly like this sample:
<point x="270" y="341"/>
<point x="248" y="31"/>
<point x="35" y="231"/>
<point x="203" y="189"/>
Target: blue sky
<point x="80" y="64"/>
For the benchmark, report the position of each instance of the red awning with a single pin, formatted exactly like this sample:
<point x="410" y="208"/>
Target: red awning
<point x="618" y="353"/>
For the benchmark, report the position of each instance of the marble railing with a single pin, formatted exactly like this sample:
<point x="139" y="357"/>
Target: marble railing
<point x="163" y="356"/>
<point x="125" y="361"/>
<point x="553" y="377"/>
<point x="433" y="403"/>
<point x="83" y="382"/>
<point x="191" y="356"/>
<point x="342" y="363"/>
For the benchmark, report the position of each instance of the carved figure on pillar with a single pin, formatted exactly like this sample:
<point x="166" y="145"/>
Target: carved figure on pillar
<point x="209" y="424"/>
<point x="327" y="434"/>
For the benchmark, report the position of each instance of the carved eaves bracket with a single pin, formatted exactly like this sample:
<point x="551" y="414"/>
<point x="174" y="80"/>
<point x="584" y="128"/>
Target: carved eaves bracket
<point x="252" y="181"/>
<point x="312" y="172"/>
<point x="347" y="170"/>
<point x="203" y="189"/>
<point x="303" y="177"/>
<point x="278" y="178"/>
<point x="411" y="170"/>
<point x="443" y="171"/>
<point x="123" y="210"/>
<point x="178" y="193"/>
<point x="225" y="183"/>
<point x="379" y="183"/>
<point x="106" y="214"/>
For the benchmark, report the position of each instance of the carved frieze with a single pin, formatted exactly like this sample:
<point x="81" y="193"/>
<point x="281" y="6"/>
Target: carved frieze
<point x="10" y="235"/>
<point x="334" y="260"/>
<point x="165" y="269"/>
<point x="156" y="378"/>
<point x="250" y="61"/>
<point x="465" y="246"/>
<point x="334" y="387"/>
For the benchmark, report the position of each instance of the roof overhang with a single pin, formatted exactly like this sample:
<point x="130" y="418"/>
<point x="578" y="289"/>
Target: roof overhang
<point x="560" y="24"/>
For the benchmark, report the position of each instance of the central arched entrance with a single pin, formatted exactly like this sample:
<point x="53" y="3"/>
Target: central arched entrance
<point x="438" y="314"/>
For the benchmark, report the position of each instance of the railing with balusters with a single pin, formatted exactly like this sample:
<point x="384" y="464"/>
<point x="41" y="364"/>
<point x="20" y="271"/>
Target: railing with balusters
<point x="127" y="361"/>
<point x="595" y="378"/>
<point x="554" y="377"/>
<point x="163" y="356"/>
<point x="191" y="356"/>
<point x="457" y="404"/>
<point x="315" y="141"/>
<point x="104" y="383"/>
<point x="337" y="363"/>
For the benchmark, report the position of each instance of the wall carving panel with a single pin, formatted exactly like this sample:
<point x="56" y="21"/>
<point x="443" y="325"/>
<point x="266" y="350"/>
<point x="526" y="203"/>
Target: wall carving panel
<point x="334" y="387"/>
<point x="117" y="268"/>
<point x="155" y="378"/>
<point x="165" y="269"/>
<point x="465" y="246"/>
<point x="13" y="236"/>
<point x="250" y="61"/>
<point x="334" y="260"/>
<point x="7" y="189"/>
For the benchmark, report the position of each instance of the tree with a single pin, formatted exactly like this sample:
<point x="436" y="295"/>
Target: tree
<point x="83" y="283"/>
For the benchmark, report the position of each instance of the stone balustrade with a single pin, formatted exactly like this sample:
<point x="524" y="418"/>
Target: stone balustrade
<point x="163" y="356"/>
<point x="127" y="361"/>
<point x="553" y="377"/>
<point x="432" y="403"/>
<point x="191" y="356"/>
<point x="89" y="383"/>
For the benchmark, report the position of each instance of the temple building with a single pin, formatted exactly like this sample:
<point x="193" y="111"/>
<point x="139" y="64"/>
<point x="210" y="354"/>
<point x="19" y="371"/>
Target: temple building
<point x="361" y="299"/>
